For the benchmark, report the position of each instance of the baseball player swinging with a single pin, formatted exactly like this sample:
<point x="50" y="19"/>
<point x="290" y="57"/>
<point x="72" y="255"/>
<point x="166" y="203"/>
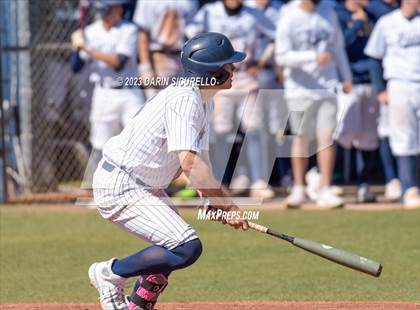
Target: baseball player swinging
<point x="168" y="136"/>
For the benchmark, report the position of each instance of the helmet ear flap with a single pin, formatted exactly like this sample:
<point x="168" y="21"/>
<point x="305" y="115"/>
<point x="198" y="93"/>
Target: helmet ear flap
<point x="221" y="76"/>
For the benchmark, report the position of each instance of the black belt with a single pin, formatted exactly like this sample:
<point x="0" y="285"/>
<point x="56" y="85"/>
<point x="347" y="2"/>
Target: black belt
<point x="106" y="85"/>
<point x="107" y="166"/>
<point x="167" y="52"/>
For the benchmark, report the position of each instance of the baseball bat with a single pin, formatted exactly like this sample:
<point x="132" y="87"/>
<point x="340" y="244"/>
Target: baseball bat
<point x="335" y="255"/>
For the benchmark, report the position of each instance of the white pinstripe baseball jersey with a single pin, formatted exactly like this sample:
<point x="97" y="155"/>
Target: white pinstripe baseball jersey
<point x="147" y="213"/>
<point x="175" y="119"/>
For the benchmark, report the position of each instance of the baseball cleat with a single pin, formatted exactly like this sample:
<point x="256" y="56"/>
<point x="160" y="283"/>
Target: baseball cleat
<point x="364" y="195"/>
<point x="297" y="197"/>
<point x="109" y="285"/>
<point x="313" y="181"/>
<point x="145" y="297"/>
<point x="393" y="190"/>
<point x="260" y="189"/>
<point x="411" y="198"/>
<point x="327" y="199"/>
<point x="239" y="185"/>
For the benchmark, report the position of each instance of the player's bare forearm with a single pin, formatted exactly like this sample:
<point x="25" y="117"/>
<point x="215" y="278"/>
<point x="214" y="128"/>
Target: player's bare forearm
<point x="206" y="157"/>
<point x="144" y="51"/>
<point x="198" y="171"/>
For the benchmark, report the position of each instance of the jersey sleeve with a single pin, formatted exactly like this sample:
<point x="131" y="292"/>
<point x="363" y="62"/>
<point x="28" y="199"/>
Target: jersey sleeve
<point x="284" y="53"/>
<point x="89" y="33"/>
<point x="184" y="125"/>
<point x="127" y="45"/>
<point x="190" y="8"/>
<point x="376" y="46"/>
<point x="142" y="15"/>
<point x="340" y="51"/>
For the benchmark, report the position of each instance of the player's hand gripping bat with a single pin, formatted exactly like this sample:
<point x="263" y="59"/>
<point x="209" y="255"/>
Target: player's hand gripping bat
<point x="335" y="255"/>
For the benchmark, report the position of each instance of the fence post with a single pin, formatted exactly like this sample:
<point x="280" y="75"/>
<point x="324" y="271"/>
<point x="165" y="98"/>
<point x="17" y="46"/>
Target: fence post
<point x="3" y="197"/>
<point x="23" y="63"/>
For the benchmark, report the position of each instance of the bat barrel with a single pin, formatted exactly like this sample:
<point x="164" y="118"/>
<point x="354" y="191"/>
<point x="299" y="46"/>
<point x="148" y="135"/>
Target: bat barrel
<point x="341" y="257"/>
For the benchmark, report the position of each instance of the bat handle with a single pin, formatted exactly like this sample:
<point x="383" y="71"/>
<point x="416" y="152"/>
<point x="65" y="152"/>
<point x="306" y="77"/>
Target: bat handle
<point x="271" y="232"/>
<point x="257" y="227"/>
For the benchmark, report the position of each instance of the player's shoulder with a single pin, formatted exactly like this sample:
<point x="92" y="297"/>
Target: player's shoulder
<point x="125" y="25"/>
<point x="288" y="12"/>
<point x="94" y="27"/>
<point x="391" y="16"/>
<point x="213" y="7"/>
<point x="289" y="6"/>
<point x="180" y="91"/>
<point x="388" y="20"/>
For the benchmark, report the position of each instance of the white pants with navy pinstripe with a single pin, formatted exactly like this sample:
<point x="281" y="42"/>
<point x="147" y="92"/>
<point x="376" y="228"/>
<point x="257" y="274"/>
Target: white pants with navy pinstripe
<point x="147" y="213"/>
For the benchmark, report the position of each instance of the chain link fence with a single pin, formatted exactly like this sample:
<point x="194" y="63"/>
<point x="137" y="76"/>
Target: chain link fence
<point x="53" y="103"/>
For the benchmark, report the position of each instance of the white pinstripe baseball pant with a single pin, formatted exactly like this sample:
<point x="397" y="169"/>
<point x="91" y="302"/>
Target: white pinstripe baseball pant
<point x="147" y="213"/>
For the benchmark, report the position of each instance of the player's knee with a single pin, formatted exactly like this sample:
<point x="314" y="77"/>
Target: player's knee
<point x="196" y="248"/>
<point x="189" y="252"/>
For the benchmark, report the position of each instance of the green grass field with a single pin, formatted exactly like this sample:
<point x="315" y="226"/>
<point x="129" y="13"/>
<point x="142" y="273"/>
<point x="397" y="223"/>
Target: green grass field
<point x="45" y="253"/>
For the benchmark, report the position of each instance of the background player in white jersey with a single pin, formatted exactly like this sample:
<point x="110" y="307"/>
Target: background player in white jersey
<point x="396" y="40"/>
<point x="309" y="45"/>
<point x="268" y="76"/>
<point x="242" y="25"/>
<point x="161" y="36"/>
<point x="376" y="9"/>
<point x="169" y="135"/>
<point x="358" y="110"/>
<point x="109" y="45"/>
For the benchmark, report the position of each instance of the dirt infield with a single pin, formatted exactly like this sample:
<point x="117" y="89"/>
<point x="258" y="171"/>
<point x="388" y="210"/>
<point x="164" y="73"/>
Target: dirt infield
<point x="251" y="305"/>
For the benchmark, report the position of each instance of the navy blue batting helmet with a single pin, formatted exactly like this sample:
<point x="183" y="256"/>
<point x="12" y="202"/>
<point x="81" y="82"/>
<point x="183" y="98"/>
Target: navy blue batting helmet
<point x="103" y="7"/>
<point x="205" y="55"/>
